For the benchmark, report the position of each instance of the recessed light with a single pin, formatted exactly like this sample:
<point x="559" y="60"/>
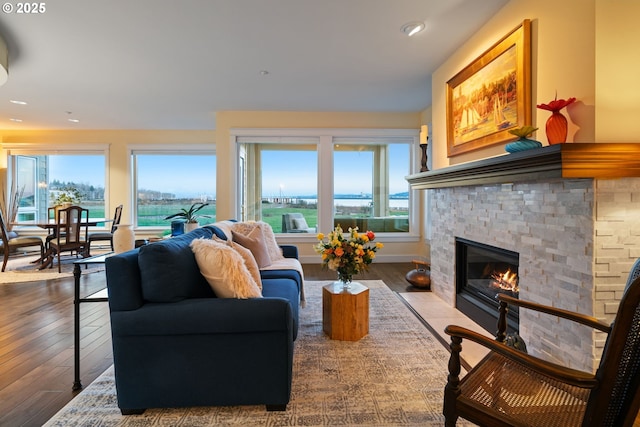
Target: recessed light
<point x="412" y="28"/>
<point x="74" y="120"/>
<point x="15" y="101"/>
<point x="264" y="72"/>
<point x="16" y="120"/>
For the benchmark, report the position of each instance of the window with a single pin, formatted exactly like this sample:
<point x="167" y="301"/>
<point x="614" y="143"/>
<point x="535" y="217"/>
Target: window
<point x="40" y="177"/>
<point x="279" y="184"/>
<point x="313" y="183"/>
<point x="166" y="181"/>
<point x="369" y="189"/>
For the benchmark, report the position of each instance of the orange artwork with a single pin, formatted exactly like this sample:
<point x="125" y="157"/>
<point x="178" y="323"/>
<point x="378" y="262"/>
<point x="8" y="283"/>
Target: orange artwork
<point x="491" y="95"/>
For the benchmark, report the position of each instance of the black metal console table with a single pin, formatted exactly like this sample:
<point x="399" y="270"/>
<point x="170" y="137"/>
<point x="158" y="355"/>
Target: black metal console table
<point x="99" y="296"/>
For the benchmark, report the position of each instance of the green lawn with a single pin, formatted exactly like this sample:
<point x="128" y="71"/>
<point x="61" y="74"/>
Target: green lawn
<point x="152" y="214"/>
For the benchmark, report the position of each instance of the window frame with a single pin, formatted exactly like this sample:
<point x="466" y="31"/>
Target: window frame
<point x="326" y="139"/>
<point x="158" y="149"/>
<point x="44" y="149"/>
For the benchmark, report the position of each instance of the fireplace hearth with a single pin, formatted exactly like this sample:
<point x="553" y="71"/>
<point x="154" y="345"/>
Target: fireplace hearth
<point x="482" y="272"/>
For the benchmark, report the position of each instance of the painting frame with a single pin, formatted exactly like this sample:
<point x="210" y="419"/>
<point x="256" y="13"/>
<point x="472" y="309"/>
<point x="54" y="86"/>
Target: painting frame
<point x="491" y="95"/>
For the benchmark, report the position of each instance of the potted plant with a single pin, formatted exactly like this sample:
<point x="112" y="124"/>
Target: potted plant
<point x="190" y="216"/>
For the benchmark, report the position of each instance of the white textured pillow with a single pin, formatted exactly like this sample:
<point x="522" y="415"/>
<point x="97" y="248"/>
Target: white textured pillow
<point x="224" y="269"/>
<point x="245" y="227"/>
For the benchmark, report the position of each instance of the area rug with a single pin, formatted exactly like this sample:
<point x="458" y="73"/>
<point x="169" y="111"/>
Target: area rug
<point x="394" y="376"/>
<point x="22" y="269"/>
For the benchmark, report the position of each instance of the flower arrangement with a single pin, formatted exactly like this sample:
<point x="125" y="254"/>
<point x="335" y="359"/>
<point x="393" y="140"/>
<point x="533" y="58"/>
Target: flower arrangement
<point x="347" y="255"/>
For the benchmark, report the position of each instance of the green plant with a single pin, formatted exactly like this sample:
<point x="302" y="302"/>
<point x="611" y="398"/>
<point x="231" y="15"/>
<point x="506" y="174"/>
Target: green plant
<point x="191" y="214"/>
<point x="66" y="195"/>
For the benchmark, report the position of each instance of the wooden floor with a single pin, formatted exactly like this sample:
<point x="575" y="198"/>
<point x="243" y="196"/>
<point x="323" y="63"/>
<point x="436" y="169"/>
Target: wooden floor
<point x="36" y="340"/>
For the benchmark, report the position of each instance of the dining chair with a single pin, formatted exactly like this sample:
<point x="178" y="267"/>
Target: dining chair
<point x="51" y="216"/>
<point x="10" y="242"/>
<point x="511" y="388"/>
<point x="72" y="231"/>
<point x="105" y="235"/>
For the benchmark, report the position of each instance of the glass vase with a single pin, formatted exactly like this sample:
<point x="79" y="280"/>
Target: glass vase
<point x="556" y="128"/>
<point x="344" y="280"/>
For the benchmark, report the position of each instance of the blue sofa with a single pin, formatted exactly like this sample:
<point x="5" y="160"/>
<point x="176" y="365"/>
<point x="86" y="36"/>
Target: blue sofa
<point x="175" y="344"/>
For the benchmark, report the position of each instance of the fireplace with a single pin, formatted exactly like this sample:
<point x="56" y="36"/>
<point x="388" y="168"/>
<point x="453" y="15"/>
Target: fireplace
<point x="482" y="272"/>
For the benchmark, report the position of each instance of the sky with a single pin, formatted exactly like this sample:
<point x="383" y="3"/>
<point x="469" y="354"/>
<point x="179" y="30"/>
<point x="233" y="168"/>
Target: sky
<point x="183" y="175"/>
<point x="295" y="173"/>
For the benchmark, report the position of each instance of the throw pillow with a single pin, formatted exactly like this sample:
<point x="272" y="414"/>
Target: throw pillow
<point x="300" y="224"/>
<point x="225" y="228"/>
<point x="254" y="241"/>
<point x="224" y="269"/>
<point x="247" y="256"/>
<point x="169" y="272"/>
<point x="275" y="252"/>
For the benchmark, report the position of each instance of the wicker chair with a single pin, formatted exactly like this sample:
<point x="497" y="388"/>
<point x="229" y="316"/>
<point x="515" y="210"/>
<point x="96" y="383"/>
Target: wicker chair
<point x="512" y="388"/>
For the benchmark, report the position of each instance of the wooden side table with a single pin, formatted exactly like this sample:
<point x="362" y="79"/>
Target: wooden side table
<point x="345" y="312"/>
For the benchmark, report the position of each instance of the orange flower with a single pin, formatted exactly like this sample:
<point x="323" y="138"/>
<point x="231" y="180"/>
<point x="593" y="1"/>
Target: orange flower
<point x="339" y="252"/>
<point x="370" y="235"/>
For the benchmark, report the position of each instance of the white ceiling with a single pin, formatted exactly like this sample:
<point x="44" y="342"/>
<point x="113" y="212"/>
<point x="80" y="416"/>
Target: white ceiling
<point x="168" y="64"/>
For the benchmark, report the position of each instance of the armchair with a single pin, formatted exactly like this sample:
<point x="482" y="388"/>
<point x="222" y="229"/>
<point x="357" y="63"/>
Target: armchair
<point x="512" y="388"/>
<point x="295" y="223"/>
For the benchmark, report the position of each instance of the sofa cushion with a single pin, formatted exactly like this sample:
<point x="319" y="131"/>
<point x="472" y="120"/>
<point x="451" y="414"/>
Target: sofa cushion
<point x="254" y="241"/>
<point x="222" y="229"/>
<point x="169" y="271"/>
<point x="247" y="256"/>
<point x="225" y="269"/>
<point x="245" y="227"/>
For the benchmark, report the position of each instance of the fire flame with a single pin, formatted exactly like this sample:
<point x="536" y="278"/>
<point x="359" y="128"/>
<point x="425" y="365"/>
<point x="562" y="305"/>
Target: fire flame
<point x="507" y="281"/>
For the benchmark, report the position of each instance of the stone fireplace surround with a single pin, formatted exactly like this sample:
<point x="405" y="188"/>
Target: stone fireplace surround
<point x="572" y="212"/>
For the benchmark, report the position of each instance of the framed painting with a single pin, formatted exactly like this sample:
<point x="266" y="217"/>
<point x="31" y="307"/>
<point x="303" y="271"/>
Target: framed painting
<point x="491" y="95"/>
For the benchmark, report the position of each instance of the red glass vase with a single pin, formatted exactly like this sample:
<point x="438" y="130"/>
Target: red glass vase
<point x="556" y="128"/>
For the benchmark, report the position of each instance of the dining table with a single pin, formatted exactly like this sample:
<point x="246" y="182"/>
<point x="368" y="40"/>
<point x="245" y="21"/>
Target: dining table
<point x="53" y="226"/>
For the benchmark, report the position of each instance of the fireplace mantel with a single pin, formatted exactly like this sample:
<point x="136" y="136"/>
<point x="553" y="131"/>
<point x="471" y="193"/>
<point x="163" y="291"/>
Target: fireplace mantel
<point x="571" y="160"/>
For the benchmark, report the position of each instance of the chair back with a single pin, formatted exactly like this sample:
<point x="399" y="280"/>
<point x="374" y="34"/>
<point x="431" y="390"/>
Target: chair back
<point x="617" y="400"/>
<point x="116" y="219"/>
<point x="72" y="225"/>
<point x="634" y="273"/>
